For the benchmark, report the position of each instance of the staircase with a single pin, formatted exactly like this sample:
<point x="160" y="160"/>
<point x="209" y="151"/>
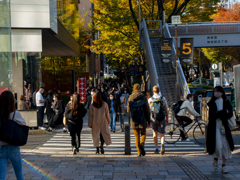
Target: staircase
<point x="165" y="72"/>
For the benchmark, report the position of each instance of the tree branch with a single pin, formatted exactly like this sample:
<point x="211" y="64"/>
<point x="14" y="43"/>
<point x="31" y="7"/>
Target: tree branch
<point x="133" y="14"/>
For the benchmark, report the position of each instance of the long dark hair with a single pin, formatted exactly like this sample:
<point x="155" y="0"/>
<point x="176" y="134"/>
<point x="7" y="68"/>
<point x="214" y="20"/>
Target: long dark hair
<point x="75" y="104"/>
<point x="219" y="89"/>
<point x="7" y="104"/>
<point x="97" y="100"/>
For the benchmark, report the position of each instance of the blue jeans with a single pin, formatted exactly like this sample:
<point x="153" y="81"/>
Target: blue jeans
<point x="13" y="153"/>
<point x="113" y="116"/>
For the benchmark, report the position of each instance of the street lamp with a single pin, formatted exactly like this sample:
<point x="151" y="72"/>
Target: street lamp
<point x="139" y="11"/>
<point x="176" y="20"/>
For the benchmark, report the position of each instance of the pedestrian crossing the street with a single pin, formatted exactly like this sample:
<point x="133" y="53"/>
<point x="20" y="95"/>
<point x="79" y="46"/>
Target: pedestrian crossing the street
<point x="62" y="142"/>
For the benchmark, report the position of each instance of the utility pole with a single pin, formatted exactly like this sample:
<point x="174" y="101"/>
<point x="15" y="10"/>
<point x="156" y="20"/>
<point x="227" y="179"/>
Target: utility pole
<point x="177" y="83"/>
<point x="176" y="20"/>
<point x="139" y="11"/>
<point x="200" y="66"/>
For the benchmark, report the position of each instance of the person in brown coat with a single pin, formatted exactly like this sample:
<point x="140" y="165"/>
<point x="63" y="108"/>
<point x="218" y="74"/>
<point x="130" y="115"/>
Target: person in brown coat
<point x="22" y="104"/>
<point x="98" y="120"/>
<point x="139" y="128"/>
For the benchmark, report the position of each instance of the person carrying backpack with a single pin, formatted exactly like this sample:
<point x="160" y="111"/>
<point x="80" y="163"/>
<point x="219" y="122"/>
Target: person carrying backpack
<point x="180" y="114"/>
<point x="159" y="117"/>
<point x="139" y="111"/>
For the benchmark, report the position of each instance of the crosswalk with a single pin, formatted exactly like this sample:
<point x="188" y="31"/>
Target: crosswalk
<point x="62" y="142"/>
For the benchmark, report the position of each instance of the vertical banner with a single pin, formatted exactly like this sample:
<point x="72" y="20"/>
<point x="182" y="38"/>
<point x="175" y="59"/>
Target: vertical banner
<point x="141" y="70"/>
<point x="186" y="50"/>
<point x="132" y="70"/>
<point x="82" y="88"/>
<point x="166" y="50"/>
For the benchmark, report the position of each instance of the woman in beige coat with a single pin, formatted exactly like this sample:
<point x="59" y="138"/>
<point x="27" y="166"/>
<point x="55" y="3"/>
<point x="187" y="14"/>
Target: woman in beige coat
<point x="98" y="120"/>
<point x="22" y="104"/>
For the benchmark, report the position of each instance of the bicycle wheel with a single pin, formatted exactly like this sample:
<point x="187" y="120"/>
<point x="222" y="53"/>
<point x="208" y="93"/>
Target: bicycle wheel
<point x="199" y="133"/>
<point x="172" y="133"/>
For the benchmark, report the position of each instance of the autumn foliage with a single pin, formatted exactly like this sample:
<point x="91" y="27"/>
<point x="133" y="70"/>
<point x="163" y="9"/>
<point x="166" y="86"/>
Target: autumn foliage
<point x="224" y="14"/>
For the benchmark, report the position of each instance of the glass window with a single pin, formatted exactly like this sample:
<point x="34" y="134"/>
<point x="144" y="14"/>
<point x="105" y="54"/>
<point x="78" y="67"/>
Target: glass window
<point x="5" y="47"/>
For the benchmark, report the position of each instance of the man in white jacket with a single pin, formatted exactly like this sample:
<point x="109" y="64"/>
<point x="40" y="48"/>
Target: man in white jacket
<point x="181" y="115"/>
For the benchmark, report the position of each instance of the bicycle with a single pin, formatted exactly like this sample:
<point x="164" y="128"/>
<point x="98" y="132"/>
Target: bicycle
<point x="172" y="129"/>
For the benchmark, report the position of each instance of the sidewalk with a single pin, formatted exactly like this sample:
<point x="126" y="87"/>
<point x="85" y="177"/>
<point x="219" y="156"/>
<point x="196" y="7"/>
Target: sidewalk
<point x="44" y="165"/>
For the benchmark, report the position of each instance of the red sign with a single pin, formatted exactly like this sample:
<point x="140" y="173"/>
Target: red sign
<point x="82" y="88"/>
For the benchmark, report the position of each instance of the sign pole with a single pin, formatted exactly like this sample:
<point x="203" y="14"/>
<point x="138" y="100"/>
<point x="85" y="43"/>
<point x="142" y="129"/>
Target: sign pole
<point x="199" y="66"/>
<point x="220" y="71"/>
<point x="177" y="82"/>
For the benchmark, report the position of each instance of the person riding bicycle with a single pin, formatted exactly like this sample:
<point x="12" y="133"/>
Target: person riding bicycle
<point x="181" y="115"/>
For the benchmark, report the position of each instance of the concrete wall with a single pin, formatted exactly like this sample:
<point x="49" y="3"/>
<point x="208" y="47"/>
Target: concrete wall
<point x="30" y="14"/>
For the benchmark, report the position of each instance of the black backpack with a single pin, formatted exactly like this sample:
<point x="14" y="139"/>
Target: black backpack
<point x="136" y="110"/>
<point x="157" y="109"/>
<point x="177" y="107"/>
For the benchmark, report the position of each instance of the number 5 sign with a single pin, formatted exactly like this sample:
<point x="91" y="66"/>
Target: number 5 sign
<point x="186" y="50"/>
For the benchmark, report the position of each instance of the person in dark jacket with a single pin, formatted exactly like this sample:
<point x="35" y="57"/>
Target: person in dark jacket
<point x="49" y="111"/>
<point x="113" y="106"/>
<point x="139" y="128"/>
<point x="89" y="99"/>
<point x="219" y="140"/>
<point x="74" y="113"/>
<point x="58" y="116"/>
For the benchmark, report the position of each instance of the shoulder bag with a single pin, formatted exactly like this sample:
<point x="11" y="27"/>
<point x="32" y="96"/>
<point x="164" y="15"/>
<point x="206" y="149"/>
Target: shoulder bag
<point x="13" y="133"/>
<point x="232" y="122"/>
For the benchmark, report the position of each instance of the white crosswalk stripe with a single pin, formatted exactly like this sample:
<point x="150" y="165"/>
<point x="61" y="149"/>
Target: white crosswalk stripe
<point x="62" y="142"/>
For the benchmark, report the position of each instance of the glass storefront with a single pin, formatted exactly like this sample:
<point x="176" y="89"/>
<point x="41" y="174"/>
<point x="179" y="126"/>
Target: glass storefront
<point x="5" y="47"/>
<point x="26" y="70"/>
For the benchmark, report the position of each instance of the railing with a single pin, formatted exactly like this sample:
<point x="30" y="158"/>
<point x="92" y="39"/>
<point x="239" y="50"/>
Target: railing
<point x="149" y="55"/>
<point x="154" y="28"/>
<point x="182" y="79"/>
<point x="205" y="28"/>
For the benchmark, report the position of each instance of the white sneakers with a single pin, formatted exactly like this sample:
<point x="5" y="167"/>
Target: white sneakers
<point x="215" y="163"/>
<point x="74" y="151"/>
<point x="224" y="169"/>
<point x="41" y="127"/>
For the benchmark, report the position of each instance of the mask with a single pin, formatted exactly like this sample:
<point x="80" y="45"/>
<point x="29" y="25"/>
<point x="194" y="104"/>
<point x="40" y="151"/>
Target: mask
<point x="91" y="93"/>
<point x="125" y="92"/>
<point x="217" y="94"/>
<point x="54" y="99"/>
<point x="111" y="98"/>
<point x="71" y="98"/>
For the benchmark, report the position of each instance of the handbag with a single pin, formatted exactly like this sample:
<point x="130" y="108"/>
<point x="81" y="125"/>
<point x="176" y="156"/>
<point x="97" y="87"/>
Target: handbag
<point x="65" y="121"/>
<point x="13" y="133"/>
<point x="232" y="122"/>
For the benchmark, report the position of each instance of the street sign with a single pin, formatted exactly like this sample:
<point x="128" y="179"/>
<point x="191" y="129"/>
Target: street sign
<point x="186" y="50"/>
<point x="215" y="67"/>
<point x="166" y="50"/>
<point x="132" y="70"/>
<point x="176" y="19"/>
<point x="141" y="70"/>
<point x="81" y="87"/>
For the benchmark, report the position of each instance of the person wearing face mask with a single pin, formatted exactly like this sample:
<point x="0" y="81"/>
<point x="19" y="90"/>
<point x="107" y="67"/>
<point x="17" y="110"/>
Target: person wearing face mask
<point x="181" y="115"/>
<point x="219" y="142"/>
<point x="49" y="111"/>
<point x="58" y="109"/>
<point x="88" y="100"/>
<point x="124" y="100"/>
<point x="40" y="107"/>
<point x="113" y="107"/>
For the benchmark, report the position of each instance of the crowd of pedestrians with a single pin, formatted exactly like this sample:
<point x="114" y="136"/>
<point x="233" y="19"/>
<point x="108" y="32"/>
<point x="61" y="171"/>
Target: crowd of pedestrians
<point x="108" y="104"/>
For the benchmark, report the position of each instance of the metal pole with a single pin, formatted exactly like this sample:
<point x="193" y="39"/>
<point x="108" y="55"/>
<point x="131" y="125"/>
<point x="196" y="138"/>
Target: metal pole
<point x="177" y="83"/>
<point x="139" y="10"/>
<point x="199" y="66"/>
<point x="221" y="77"/>
<point x="73" y="81"/>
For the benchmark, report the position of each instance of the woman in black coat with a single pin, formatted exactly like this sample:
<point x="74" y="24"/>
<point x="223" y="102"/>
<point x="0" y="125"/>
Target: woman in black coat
<point x="74" y="113"/>
<point x="219" y="138"/>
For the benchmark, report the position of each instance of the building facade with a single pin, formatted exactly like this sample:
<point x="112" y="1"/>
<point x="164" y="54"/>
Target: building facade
<point x="30" y="30"/>
<point x="228" y="3"/>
